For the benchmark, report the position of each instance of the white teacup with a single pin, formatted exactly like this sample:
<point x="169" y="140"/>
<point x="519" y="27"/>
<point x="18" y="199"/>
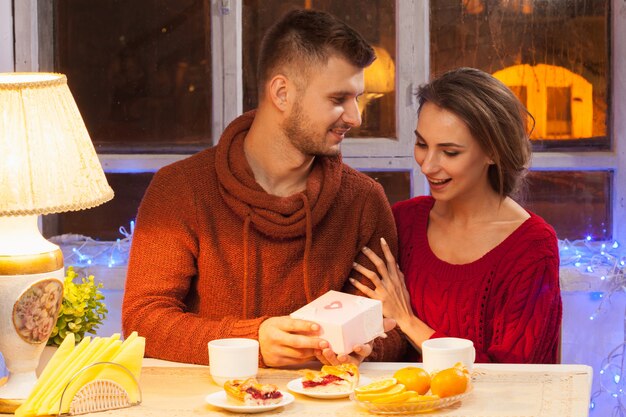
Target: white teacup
<point x="445" y="352"/>
<point x="235" y="358"/>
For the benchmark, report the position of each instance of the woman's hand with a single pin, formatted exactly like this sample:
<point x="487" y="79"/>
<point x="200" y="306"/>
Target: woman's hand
<point x="389" y="286"/>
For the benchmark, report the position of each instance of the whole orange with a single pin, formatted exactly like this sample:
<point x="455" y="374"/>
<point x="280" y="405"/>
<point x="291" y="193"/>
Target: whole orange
<point x="415" y="379"/>
<point x="449" y="382"/>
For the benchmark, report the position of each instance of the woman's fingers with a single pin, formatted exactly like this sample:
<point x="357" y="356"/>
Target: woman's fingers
<point x="364" y="289"/>
<point x="380" y="265"/>
<point x="371" y="275"/>
<point x="391" y="261"/>
<point x="396" y="276"/>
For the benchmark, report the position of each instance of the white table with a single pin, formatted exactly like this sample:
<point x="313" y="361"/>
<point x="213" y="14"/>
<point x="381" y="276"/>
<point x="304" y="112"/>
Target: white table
<point x="499" y="390"/>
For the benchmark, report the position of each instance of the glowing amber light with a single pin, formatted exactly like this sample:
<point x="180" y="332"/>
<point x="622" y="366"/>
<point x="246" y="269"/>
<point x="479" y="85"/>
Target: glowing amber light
<point x="537" y="81"/>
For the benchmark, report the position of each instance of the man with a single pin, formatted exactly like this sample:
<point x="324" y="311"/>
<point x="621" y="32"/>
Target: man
<point x="231" y="240"/>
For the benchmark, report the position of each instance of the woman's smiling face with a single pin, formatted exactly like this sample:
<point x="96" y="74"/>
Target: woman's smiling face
<point x="451" y="159"/>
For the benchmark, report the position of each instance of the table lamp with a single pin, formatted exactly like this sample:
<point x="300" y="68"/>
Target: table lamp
<point x="47" y="165"/>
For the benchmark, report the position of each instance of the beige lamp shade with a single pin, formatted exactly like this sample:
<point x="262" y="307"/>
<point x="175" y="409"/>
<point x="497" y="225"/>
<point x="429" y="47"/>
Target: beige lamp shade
<point x="47" y="161"/>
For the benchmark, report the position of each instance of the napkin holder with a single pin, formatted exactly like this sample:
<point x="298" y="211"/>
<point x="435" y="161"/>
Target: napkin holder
<point x="99" y="394"/>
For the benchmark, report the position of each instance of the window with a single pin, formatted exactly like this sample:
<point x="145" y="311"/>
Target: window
<point x="397" y="184"/>
<point x="563" y="43"/>
<point x="557" y="49"/>
<point x="141" y="73"/>
<point x="574" y="202"/>
<point x="559" y="113"/>
<point x="554" y="57"/>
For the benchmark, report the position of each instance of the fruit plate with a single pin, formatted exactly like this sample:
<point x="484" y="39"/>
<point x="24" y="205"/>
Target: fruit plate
<point x="410" y="407"/>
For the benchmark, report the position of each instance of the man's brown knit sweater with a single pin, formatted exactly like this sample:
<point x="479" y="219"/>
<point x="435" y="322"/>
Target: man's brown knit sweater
<point x="214" y="255"/>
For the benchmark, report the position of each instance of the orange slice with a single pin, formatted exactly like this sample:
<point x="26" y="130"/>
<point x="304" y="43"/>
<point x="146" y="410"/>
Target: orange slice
<point x="393" y="390"/>
<point x="395" y="398"/>
<point x="376" y="386"/>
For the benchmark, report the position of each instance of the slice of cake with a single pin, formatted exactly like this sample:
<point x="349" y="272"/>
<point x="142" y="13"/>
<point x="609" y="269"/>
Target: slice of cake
<point x="339" y="378"/>
<point x="250" y="392"/>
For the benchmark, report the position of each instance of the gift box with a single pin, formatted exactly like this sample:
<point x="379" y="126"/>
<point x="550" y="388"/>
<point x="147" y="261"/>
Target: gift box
<point x="346" y="320"/>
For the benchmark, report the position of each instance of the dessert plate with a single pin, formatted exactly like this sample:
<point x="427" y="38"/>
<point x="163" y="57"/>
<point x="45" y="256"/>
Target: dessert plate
<point x="295" y="385"/>
<point x="219" y="399"/>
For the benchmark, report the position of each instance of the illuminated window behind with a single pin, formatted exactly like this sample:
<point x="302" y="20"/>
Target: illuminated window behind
<point x="554" y="57"/>
<point x="553" y="54"/>
<point x="139" y="70"/>
<point x="375" y="20"/>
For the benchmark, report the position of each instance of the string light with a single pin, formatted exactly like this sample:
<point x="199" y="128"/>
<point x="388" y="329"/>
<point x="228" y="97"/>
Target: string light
<point x="612" y="380"/>
<point x="82" y="251"/>
<point x="607" y="262"/>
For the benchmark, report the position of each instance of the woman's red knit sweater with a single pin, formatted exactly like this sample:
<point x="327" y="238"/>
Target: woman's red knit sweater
<point x="508" y="301"/>
<point x="214" y="255"/>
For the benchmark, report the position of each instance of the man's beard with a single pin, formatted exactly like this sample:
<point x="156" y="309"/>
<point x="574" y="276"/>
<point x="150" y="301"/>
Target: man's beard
<point x="303" y="136"/>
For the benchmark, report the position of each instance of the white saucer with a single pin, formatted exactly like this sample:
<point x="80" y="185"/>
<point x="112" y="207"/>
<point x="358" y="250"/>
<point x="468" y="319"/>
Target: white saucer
<point x="295" y="385"/>
<point x="218" y="399"/>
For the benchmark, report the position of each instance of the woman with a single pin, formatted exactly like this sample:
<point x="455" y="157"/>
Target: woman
<point x="476" y="264"/>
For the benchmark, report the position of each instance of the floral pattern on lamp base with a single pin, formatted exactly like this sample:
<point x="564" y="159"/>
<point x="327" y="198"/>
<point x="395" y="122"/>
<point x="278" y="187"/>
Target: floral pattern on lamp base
<point x="35" y="311"/>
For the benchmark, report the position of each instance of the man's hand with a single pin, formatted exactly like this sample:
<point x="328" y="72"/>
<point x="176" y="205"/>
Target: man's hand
<point x="286" y="341"/>
<point x="360" y="352"/>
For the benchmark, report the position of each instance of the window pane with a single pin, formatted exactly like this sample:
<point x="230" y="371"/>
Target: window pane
<point x="103" y="222"/>
<point x="553" y="55"/>
<point x="139" y="70"/>
<point x="559" y="115"/>
<point x="575" y="203"/>
<point x="397" y="184"/>
<point x="376" y="23"/>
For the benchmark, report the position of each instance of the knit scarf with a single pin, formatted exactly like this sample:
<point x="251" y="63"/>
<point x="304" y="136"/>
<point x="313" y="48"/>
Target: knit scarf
<point x="273" y="216"/>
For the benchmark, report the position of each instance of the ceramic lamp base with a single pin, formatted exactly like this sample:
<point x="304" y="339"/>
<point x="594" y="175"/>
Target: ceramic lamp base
<point x="18" y="386"/>
<point x="29" y="305"/>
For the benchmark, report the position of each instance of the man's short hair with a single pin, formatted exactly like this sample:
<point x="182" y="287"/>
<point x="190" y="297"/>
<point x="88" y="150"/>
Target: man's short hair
<point x="303" y="39"/>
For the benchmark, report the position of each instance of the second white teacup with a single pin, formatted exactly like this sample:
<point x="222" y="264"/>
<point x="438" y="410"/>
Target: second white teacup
<point x="445" y="352"/>
<point x="235" y="358"/>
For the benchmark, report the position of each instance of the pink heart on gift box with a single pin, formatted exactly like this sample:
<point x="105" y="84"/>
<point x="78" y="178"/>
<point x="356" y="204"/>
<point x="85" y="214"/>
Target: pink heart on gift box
<point x="334" y="305"/>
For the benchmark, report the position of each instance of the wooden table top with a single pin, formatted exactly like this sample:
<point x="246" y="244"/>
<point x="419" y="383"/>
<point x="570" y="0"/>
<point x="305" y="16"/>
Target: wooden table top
<point x="499" y="390"/>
